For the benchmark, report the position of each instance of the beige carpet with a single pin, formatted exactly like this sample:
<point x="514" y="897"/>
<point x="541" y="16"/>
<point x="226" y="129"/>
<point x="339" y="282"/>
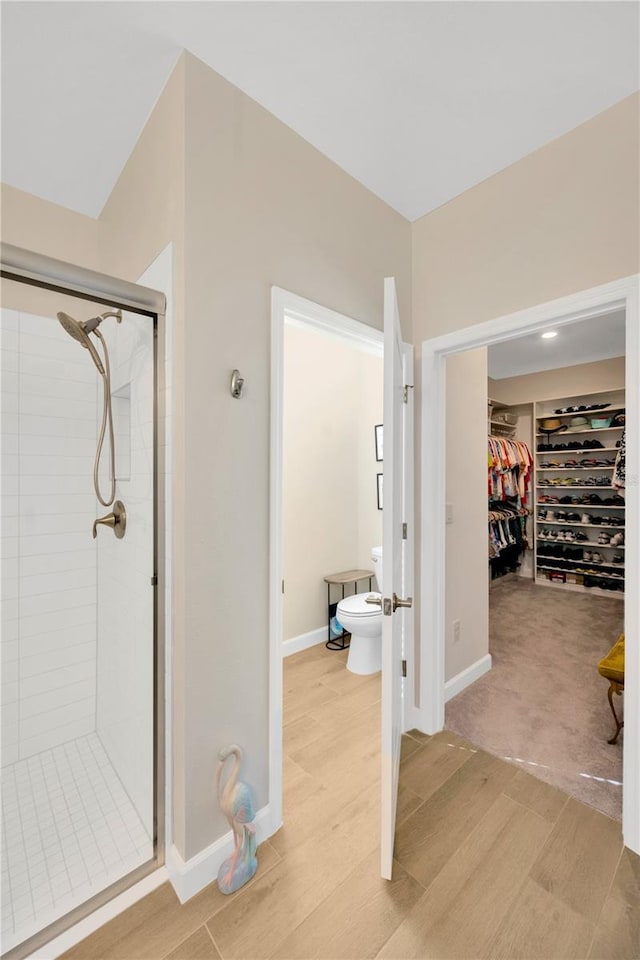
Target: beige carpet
<point x="543" y="705"/>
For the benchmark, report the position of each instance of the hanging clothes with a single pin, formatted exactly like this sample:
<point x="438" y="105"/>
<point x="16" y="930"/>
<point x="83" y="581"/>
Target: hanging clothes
<point x="509" y="479"/>
<point x="510" y="465"/>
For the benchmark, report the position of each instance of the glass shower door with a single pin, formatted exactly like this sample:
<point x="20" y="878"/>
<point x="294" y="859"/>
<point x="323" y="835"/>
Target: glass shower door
<point x="78" y="655"/>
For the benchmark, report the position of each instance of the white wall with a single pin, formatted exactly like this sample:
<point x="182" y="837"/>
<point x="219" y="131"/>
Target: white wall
<point x="332" y="401"/>
<point x="124" y="714"/>
<point x="49" y="566"/>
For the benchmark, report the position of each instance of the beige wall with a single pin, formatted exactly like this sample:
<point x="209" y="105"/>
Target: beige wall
<point x="262" y="207"/>
<point x="566" y="382"/>
<point x="332" y="400"/>
<point x="466" y="597"/>
<point x="49" y="229"/>
<point x="563" y="219"/>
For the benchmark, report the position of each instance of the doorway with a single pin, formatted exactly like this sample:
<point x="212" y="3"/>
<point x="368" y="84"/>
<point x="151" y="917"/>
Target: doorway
<point x="554" y="555"/>
<point x="619" y="295"/>
<point x="308" y="322"/>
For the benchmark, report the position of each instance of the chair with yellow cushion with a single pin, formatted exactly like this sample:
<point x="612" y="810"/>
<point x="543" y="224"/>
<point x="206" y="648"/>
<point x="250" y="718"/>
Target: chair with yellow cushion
<point x="611" y="668"/>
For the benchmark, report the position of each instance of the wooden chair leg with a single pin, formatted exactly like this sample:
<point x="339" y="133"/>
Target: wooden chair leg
<point x="614" y="688"/>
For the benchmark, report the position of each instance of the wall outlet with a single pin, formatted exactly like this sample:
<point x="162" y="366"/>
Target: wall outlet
<point x="456" y="631"/>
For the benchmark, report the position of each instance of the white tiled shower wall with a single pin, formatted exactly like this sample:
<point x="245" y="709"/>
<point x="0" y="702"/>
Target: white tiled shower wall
<point x="48" y="405"/>
<point x="124" y="714"/>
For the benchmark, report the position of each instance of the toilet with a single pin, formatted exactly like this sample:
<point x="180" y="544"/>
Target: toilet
<point x="364" y="622"/>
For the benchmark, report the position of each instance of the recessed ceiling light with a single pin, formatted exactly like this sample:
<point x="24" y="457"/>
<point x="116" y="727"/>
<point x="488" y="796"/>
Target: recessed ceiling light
<point x="550" y="334"/>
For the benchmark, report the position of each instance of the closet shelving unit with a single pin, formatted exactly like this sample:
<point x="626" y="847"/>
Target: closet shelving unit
<point x="565" y="575"/>
<point x="496" y="426"/>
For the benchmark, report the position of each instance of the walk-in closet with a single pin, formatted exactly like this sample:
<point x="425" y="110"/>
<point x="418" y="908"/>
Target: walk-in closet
<point x="555" y="484"/>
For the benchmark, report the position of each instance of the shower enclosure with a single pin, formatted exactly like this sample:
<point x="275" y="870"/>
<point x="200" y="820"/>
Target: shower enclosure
<point x="81" y="741"/>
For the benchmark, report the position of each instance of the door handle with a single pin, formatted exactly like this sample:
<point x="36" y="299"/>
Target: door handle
<point x="116" y="520"/>
<point x="397" y="602"/>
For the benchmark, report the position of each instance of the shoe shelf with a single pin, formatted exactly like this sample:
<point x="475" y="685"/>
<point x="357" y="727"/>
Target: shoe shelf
<point x="574" y="486"/>
<point x="577" y="433"/>
<point x="579" y="506"/>
<point x="583" y="543"/>
<point x="580" y="452"/>
<point x="575" y="523"/>
<point x="574" y="570"/>
<point x="584" y="571"/>
<point x="604" y="412"/>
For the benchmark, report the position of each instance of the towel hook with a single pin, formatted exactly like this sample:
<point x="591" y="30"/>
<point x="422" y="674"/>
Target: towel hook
<point x="237" y="384"/>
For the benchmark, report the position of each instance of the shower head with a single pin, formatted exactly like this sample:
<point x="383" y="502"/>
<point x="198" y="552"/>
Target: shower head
<point x="80" y="332"/>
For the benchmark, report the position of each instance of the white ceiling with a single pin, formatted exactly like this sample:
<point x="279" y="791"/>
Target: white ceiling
<point x="598" y="338"/>
<point x="418" y="101"/>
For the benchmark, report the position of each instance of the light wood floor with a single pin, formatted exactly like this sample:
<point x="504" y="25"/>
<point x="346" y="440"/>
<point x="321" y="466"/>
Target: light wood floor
<point x="491" y="863"/>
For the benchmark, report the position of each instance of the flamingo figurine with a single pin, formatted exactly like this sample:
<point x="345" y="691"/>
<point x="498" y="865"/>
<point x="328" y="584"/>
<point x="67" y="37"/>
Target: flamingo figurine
<point x="236" y="804"/>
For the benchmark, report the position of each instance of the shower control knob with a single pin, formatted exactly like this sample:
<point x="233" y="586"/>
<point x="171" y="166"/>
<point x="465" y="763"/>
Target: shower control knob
<point x="116" y="520"/>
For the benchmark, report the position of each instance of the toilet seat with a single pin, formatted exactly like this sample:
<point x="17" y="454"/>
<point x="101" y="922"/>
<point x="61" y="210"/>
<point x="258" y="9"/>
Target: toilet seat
<point x="356" y="606"/>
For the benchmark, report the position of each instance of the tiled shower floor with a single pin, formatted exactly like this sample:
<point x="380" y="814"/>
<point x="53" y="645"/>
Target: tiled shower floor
<point x="69" y="830"/>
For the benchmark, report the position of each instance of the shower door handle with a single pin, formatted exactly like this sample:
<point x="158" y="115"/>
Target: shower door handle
<point x="116" y="520"/>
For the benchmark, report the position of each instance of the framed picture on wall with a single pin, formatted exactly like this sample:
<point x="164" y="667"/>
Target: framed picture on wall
<point x="379" y="480"/>
<point x="378" y="430"/>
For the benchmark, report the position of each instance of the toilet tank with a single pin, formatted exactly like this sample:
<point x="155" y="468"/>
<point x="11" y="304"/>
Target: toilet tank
<point x="376" y="556"/>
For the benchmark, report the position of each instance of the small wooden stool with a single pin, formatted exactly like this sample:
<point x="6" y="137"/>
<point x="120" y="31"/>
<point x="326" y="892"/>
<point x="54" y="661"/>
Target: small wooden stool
<point x="611" y="668"/>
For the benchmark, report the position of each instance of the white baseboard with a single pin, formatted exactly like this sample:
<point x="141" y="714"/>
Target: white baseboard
<point x="466" y="677"/>
<point x="305" y="640"/>
<point x="191" y="876"/>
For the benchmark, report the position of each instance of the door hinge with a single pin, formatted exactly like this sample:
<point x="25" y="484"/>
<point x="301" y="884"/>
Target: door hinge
<point x="154" y="580"/>
<point x="404" y="531"/>
<point x="283" y="586"/>
<point x="404" y="668"/>
<point x="405" y="392"/>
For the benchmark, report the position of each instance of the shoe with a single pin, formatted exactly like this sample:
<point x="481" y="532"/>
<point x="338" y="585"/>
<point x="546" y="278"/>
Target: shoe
<point x="604" y="538"/>
<point x="617" y="539"/>
<point x="586" y="518"/>
<point x="581" y="536"/>
<point x="550" y="515"/>
<point x="587" y="556"/>
<point x="618" y="558"/>
<point x="596" y="557"/>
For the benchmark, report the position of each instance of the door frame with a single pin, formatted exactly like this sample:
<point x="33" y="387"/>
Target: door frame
<point x="618" y="294"/>
<point x="287" y="307"/>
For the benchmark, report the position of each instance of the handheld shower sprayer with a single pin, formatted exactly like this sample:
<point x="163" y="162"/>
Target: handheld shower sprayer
<point x="81" y="331"/>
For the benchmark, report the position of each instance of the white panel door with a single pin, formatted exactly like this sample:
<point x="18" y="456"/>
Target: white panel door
<point x="398" y="459"/>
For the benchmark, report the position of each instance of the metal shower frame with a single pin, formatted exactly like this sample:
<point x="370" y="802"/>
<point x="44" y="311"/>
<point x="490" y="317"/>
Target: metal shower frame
<point x="25" y="266"/>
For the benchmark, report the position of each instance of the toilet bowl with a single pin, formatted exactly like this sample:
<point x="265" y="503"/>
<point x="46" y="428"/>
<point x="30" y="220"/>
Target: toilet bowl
<point x="364" y="622"/>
